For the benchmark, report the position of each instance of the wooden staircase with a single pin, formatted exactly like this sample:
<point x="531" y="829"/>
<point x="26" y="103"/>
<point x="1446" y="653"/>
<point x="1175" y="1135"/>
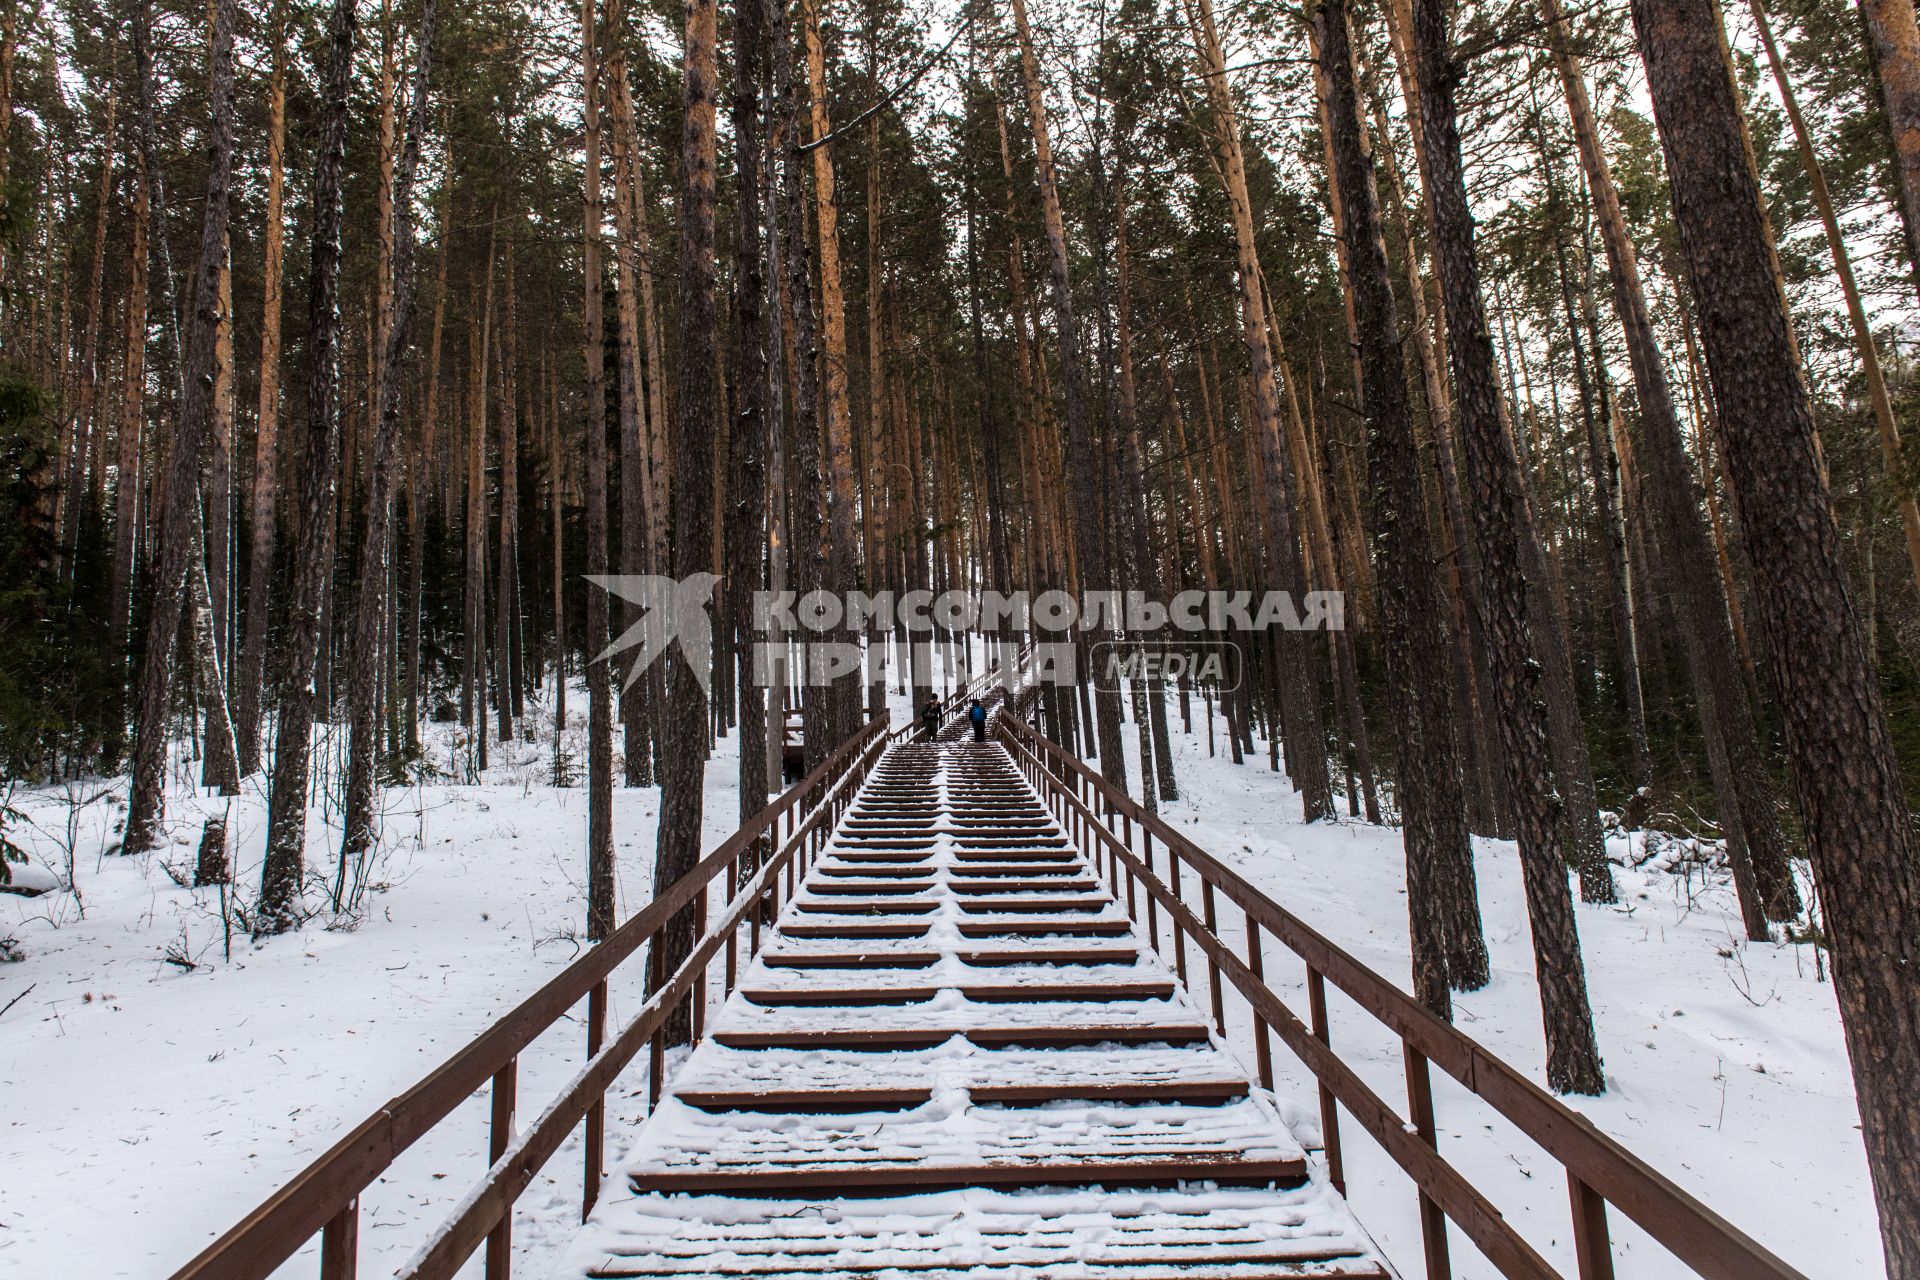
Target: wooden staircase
<point x="954" y="1057"/>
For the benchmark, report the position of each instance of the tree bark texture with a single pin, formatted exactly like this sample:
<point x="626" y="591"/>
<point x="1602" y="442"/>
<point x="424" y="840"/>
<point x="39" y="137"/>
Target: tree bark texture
<point x="1846" y="779"/>
<point x="285" y="865"/>
<point x="1743" y="793"/>
<point x="179" y="499"/>
<point x="682" y="788"/>
<point x="1503" y="527"/>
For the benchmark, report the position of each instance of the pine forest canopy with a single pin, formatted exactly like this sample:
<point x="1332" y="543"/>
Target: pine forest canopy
<point x="341" y="340"/>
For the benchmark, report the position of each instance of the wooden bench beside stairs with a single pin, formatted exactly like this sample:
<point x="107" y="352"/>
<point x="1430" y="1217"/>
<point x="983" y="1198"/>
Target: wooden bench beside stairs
<point x="960" y="1028"/>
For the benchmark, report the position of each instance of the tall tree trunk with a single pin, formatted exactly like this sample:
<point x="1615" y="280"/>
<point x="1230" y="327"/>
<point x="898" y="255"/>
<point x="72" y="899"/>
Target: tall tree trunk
<point x="998" y="568"/>
<point x="557" y="495"/>
<point x="593" y="352"/>
<point x="1743" y="796"/>
<point x="285" y="864"/>
<point x="128" y="477"/>
<point x="473" y="631"/>
<point x="218" y="754"/>
<point x="682" y="789"/>
<point x="747" y="438"/>
<point x="1299" y="688"/>
<point x="363" y="690"/>
<point x="1504" y="533"/>
<point x="1846" y="777"/>
<point x="1863" y="344"/>
<point x="637" y="555"/>
<point x="507" y="693"/>
<point x="659" y="478"/>
<point x="1490" y="794"/>
<point x="1603" y="467"/>
<point x="1579" y="312"/>
<point x="844" y="698"/>
<point x="263" y="520"/>
<point x="74" y="480"/>
<point x="425" y="470"/>
<point x="1412" y="621"/>
<point x="179" y="500"/>
<point x="9" y="40"/>
<point x="219" y="764"/>
<point x="1146" y="565"/>
<point x="804" y="481"/>
<point x="1089" y="546"/>
<point x="872" y="482"/>
<point x="1893" y="45"/>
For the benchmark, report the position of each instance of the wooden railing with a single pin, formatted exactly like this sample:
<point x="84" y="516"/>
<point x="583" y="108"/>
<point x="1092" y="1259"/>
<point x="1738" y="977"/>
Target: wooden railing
<point x="1119" y="835"/>
<point x="768" y="855"/>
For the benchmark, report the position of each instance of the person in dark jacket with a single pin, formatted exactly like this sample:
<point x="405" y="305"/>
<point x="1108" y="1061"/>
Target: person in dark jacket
<point x="930" y="718"/>
<point x="977" y="716"/>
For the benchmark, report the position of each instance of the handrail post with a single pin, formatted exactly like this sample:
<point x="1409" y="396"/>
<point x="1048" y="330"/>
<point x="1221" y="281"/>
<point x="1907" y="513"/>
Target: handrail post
<point x="1262" y="1034"/>
<point x="733" y="961"/>
<point x="1179" y="934"/>
<point x="657" y="1050"/>
<point x="1329" y="1105"/>
<point x="505" y="1089"/>
<point x="1592" y="1250"/>
<point x="1153" y="908"/>
<point x="1433" y="1222"/>
<point x="595" y="1154"/>
<point x="1133" y="908"/>
<point x="700" y="978"/>
<point x="1212" y="920"/>
<point x="340" y="1243"/>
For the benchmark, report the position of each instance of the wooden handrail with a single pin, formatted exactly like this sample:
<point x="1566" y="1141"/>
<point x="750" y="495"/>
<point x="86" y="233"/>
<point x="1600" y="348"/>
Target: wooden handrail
<point x="323" y="1197"/>
<point x="1600" y="1170"/>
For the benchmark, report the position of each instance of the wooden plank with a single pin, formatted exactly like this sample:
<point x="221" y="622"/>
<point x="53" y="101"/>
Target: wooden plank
<point x="893" y="1039"/>
<point x="851" y="1179"/>
<point x="1051" y="955"/>
<point x="869" y="960"/>
<point x="851" y="996"/>
<point x="1028" y="906"/>
<point x="1091" y="992"/>
<point x="1032" y="927"/>
<point x="870" y="907"/>
<point x="863" y="930"/>
<point x="1198" y="1092"/>
<point x="806" y="1101"/>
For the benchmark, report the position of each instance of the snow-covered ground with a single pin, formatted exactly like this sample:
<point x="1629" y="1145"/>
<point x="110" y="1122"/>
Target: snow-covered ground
<point x="157" y="1087"/>
<point x="1725" y="1065"/>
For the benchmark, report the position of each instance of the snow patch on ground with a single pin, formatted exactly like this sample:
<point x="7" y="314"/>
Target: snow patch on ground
<point x="1725" y="1065"/>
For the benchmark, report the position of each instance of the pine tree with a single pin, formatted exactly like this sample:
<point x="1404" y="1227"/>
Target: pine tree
<point x="1845" y="777"/>
<point x="285" y="866"/>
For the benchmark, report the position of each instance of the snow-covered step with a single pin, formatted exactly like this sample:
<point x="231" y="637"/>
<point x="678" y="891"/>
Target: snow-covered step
<point x="1045" y="1235"/>
<point x="960" y="1066"/>
<point x="955" y="1142"/>
<point x="951" y="1058"/>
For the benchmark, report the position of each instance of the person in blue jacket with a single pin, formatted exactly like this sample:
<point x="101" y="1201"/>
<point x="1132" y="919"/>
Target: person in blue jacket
<point x="977" y="716"/>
